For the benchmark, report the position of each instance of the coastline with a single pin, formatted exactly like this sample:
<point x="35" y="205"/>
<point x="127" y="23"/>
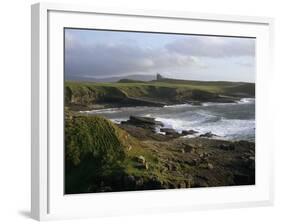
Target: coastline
<point x="149" y="103"/>
<point x="168" y="123"/>
<point x="143" y="153"/>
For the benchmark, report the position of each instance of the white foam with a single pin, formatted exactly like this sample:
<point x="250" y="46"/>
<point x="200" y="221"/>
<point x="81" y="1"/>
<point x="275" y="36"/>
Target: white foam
<point x="218" y="120"/>
<point x="246" y="100"/>
<point x="223" y="128"/>
<point x="216" y="103"/>
<point x="102" y="111"/>
<point x="178" y="105"/>
<point x="229" y="127"/>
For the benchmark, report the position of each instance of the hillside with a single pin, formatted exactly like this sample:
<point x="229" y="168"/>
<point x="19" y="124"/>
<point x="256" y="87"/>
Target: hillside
<point x="101" y="156"/>
<point x="111" y="79"/>
<point x="87" y="95"/>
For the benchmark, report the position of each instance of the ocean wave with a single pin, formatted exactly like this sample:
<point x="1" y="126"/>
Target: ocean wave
<point x="241" y="101"/>
<point x="178" y="105"/>
<point x="216" y="104"/>
<point x="101" y="111"/>
<point x="223" y="128"/>
<point x="231" y="121"/>
<point x="117" y="120"/>
<point x="230" y="127"/>
<point x="246" y="101"/>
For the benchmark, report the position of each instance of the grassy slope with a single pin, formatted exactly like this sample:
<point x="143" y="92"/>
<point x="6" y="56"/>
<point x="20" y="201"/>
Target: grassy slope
<point x="166" y="91"/>
<point x="98" y="151"/>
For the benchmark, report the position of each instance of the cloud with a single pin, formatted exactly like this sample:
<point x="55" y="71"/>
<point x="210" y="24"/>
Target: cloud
<point x="188" y="57"/>
<point x="245" y="63"/>
<point x="115" y="59"/>
<point x="213" y="47"/>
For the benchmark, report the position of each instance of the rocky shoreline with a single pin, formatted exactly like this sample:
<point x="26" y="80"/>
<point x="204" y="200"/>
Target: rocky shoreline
<point x="140" y="158"/>
<point x="151" y="124"/>
<point x="191" y="162"/>
<point x="134" y="102"/>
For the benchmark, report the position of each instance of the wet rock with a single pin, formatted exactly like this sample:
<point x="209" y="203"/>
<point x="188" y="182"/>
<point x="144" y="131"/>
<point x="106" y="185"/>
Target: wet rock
<point x="208" y="135"/>
<point x="143" y="122"/>
<point x="194" y="103"/>
<point x="189" y="132"/>
<point x="170" y="132"/>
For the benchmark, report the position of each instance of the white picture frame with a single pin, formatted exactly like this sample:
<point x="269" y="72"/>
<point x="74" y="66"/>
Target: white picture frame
<point x="47" y="200"/>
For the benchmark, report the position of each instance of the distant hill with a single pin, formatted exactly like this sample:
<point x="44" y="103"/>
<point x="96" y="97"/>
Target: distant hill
<point x="131" y="81"/>
<point x="196" y="82"/>
<point x="113" y="78"/>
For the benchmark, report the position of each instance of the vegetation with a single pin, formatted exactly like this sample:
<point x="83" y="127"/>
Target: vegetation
<point x="158" y="93"/>
<point x="99" y="155"/>
<point x="93" y="151"/>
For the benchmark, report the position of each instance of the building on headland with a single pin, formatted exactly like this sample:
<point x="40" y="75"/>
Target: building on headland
<point x="159" y="77"/>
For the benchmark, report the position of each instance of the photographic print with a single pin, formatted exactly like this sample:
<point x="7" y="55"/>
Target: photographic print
<point x="151" y="111"/>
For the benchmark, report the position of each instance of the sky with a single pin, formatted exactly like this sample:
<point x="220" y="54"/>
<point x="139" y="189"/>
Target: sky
<point x="101" y="54"/>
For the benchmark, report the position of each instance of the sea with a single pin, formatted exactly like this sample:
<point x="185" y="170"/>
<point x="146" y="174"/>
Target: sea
<point x="229" y="121"/>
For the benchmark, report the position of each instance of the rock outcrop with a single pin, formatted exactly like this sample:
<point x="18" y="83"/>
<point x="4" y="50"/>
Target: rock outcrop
<point x="143" y="122"/>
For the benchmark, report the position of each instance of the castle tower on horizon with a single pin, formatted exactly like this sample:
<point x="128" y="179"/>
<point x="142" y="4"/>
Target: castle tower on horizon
<point x="159" y="77"/>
